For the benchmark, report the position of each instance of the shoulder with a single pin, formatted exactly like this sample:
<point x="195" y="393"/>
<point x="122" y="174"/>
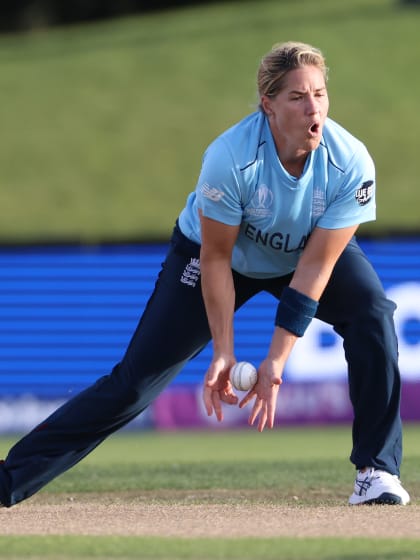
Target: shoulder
<point x="342" y="148"/>
<point x="241" y="142"/>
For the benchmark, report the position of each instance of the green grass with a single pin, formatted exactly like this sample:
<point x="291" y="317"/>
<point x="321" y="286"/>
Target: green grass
<point x="310" y="464"/>
<point x="280" y="466"/>
<point x="104" y="125"/>
<point x="63" y="548"/>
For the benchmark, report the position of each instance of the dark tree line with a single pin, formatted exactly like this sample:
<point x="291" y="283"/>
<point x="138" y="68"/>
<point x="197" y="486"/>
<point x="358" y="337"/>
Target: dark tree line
<point x="22" y="15"/>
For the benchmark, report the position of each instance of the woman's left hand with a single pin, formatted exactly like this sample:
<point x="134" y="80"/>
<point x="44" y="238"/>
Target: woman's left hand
<point x="265" y="392"/>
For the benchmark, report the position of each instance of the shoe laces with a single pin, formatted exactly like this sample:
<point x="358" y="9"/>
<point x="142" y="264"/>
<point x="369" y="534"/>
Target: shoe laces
<point x="364" y="480"/>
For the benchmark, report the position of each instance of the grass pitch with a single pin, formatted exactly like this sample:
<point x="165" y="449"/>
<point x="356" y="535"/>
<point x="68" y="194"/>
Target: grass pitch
<point x="308" y="463"/>
<point x="311" y="464"/>
<point x="308" y="466"/>
<point x="63" y="548"/>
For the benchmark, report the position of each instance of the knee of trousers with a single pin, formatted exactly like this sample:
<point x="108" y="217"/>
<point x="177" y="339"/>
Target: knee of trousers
<point x="115" y="395"/>
<point x="370" y="338"/>
<point x="370" y="325"/>
<point x="134" y="389"/>
<point x="374" y="307"/>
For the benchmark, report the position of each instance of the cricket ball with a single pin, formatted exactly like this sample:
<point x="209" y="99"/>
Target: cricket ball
<point x="243" y="376"/>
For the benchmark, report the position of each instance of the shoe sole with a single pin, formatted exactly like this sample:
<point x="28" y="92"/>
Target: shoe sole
<point x="384" y="499"/>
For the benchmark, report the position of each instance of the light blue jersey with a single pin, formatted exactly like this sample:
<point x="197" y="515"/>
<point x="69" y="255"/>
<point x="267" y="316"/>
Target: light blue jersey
<point x="242" y="181"/>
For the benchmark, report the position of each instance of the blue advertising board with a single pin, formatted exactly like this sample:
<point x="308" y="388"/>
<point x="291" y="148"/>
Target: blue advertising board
<point x="67" y="313"/>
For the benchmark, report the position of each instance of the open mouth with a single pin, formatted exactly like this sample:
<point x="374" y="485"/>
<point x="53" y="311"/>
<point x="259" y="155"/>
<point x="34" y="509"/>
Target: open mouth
<point x="314" y="129"/>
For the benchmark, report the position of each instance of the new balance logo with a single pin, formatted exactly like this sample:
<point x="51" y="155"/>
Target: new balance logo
<point x="211" y="192"/>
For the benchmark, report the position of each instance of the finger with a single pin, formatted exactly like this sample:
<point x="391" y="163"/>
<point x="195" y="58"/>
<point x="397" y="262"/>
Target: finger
<point x="208" y="403"/>
<point x="271" y="406"/>
<point x="228" y="397"/>
<point x="263" y="418"/>
<point x="211" y="377"/>
<point x="249" y="396"/>
<point x="270" y="417"/>
<point x="209" y="382"/>
<point x="217" y="405"/>
<point x="271" y="411"/>
<point x="255" y="411"/>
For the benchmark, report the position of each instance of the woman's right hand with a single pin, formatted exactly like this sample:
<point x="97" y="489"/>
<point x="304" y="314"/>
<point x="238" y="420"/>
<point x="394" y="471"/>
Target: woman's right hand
<point x="217" y="387"/>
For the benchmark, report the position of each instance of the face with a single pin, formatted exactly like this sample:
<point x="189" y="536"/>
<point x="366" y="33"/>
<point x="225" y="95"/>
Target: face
<point x="298" y="112"/>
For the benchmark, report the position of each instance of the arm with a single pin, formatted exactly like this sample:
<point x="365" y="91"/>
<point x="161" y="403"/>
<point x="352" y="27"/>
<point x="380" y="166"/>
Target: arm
<point x="310" y="278"/>
<point x="218" y="290"/>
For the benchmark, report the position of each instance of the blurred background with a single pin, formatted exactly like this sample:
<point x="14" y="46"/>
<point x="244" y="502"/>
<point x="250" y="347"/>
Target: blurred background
<point x="106" y="109"/>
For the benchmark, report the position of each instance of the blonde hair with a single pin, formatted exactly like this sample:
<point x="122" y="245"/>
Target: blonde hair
<point x="282" y="58"/>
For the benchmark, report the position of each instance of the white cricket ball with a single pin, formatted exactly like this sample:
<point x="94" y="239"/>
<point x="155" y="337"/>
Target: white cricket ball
<point x="243" y="376"/>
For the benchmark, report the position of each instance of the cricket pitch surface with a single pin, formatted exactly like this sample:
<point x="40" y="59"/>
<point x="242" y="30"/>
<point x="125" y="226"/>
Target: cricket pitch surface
<point x="201" y="514"/>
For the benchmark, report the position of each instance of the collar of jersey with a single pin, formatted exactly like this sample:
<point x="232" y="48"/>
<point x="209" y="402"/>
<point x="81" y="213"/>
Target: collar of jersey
<point x="287" y="179"/>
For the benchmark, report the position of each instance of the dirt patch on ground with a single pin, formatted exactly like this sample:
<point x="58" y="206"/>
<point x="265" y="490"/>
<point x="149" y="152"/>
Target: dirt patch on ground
<point x="194" y="515"/>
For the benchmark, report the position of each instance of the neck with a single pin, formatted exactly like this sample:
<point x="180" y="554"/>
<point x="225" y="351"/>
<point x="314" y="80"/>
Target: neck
<point x="293" y="159"/>
<point x="295" y="165"/>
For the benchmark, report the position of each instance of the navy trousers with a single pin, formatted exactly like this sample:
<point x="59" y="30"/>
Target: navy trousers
<point x="174" y="328"/>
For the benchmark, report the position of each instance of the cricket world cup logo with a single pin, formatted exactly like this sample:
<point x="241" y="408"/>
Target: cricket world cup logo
<point x="261" y="203"/>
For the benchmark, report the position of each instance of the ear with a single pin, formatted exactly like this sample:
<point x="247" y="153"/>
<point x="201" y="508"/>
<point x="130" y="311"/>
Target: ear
<point x="266" y="105"/>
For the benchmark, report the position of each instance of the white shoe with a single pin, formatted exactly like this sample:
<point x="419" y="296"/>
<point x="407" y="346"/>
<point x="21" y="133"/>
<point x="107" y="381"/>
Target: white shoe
<point x="378" y="487"/>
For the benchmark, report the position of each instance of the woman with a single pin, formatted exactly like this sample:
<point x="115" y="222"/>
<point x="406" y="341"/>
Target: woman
<point x="276" y="207"/>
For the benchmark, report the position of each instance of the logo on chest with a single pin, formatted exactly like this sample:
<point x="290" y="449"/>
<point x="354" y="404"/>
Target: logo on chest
<point x="261" y="203"/>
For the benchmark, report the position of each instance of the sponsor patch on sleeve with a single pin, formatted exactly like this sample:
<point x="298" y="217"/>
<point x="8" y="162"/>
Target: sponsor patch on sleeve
<point x="211" y="192"/>
<point x="364" y="193"/>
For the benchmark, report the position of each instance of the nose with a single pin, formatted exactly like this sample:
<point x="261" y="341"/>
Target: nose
<point x="312" y="105"/>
